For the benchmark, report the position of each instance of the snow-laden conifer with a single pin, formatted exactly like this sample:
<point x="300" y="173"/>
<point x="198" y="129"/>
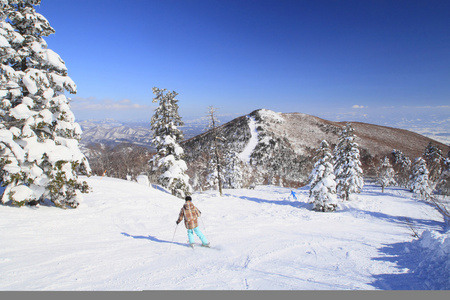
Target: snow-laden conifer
<point x="419" y="181"/>
<point x="435" y="160"/>
<point x="347" y="164"/>
<point x="443" y="185"/>
<point x="402" y="167"/>
<point x="168" y="161"/>
<point x="233" y="171"/>
<point x="40" y="156"/>
<point x="214" y="179"/>
<point x="386" y="174"/>
<point x="322" y="181"/>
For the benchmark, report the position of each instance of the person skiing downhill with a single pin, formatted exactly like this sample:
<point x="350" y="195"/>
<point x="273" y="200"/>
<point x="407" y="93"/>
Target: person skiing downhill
<point x="190" y="213"/>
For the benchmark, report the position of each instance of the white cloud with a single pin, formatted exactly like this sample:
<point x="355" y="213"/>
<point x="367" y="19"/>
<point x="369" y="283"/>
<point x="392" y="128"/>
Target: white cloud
<point x="428" y="107"/>
<point x="92" y="104"/>
<point x="356" y="106"/>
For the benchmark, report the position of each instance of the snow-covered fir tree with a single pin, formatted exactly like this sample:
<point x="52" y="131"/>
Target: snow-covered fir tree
<point x="234" y="171"/>
<point x="213" y="178"/>
<point x="347" y="164"/>
<point x="322" y="182"/>
<point x="40" y="156"/>
<point x="419" y="181"/>
<point x="386" y="174"/>
<point x="434" y="159"/>
<point x="402" y="168"/>
<point x="443" y="185"/>
<point x="168" y="161"/>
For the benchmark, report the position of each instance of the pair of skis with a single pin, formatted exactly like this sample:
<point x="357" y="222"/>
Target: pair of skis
<point x="204" y="246"/>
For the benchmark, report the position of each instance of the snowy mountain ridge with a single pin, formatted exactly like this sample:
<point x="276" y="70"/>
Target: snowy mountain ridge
<point x="287" y="142"/>
<point x="113" y="132"/>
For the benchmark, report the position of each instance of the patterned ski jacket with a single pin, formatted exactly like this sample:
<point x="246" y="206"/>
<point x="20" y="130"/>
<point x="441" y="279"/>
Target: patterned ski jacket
<point x="190" y="214"/>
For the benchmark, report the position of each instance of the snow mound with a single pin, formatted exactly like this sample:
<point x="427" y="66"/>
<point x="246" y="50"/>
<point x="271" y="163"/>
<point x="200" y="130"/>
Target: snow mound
<point x="434" y="267"/>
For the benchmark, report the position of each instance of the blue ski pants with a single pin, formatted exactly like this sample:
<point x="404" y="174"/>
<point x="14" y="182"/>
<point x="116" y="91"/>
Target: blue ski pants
<point x="198" y="233"/>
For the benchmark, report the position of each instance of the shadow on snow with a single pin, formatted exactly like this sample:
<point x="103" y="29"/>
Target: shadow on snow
<point x="153" y="239"/>
<point x="293" y="203"/>
<point x="407" y="261"/>
<point x="430" y="224"/>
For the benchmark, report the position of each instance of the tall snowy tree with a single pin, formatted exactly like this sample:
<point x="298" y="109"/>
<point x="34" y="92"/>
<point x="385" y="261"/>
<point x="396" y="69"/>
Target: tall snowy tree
<point x="40" y="156"/>
<point x="322" y="181"/>
<point x="443" y="184"/>
<point x="347" y="164"/>
<point x="216" y="174"/>
<point x="419" y="181"/>
<point x="168" y="161"/>
<point x="434" y="159"/>
<point x="402" y="168"/>
<point x="386" y="174"/>
<point x="234" y="171"/>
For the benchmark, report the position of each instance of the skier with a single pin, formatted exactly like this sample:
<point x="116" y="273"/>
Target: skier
<point x="190" y="214"/>
<point x="293" y="195"/>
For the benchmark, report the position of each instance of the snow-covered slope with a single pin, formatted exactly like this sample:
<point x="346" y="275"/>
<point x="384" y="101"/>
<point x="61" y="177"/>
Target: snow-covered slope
<point x="120" y="238"/>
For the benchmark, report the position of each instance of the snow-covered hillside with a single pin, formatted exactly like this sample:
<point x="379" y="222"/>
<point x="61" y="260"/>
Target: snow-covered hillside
<point x="263" y="239"/>
<point x="279" y="147"/>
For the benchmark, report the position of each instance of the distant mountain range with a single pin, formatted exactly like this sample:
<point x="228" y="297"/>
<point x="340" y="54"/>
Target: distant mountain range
<point x="112" y="132"/>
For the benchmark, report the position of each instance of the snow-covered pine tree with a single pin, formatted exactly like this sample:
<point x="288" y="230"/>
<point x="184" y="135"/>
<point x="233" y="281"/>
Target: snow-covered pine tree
<point x="419" y="181"/>
<point x="386" y="174"/>
<point x="40" y="156"/>
<point x="402" y="168"/>
<point x="347" y="164"/>
<point x="233" y="171"/>
<point x="212" y="176"/>
<point x="434" y="159"/>
<point x="321" y="180"/>
<point x="168" y="161"/>
<point x="443" y="185"/>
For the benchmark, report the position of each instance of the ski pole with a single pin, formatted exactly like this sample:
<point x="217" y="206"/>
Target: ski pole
<point x="171" y="243"/>
<point x="203" y="225"/>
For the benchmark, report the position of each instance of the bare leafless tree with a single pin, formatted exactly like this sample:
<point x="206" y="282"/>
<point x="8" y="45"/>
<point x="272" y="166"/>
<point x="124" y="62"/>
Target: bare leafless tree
<point x="121" y="161"/>
<point x="212" y="126"/>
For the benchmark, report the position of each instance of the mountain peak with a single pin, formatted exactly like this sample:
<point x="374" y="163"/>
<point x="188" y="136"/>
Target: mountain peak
<point x="286" y="144"/>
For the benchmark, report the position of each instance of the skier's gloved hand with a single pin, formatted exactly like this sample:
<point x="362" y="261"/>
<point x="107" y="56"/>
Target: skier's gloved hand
<point x="178" y="222"/>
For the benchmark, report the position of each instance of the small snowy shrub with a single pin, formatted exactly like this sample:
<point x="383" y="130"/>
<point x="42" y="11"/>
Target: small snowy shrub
<point x="386" y="174"/>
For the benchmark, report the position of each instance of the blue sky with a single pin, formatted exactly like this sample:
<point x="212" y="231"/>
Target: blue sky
<point x="372" y="61"/>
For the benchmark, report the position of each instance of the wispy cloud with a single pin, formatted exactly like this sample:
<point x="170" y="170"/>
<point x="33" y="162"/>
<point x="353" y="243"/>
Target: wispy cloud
<point x="356" y="106"/>
<point x="93" y="104"/>
<point x="427" y="107"/>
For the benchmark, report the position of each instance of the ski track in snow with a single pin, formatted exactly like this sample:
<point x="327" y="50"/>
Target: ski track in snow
<point x="252" y="143"/>
<point x="120" y="239"/>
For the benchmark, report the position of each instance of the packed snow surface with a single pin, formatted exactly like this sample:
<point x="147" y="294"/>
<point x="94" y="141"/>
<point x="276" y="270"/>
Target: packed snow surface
<point x="252" y="143"/>
<point x="120" y="238"/>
